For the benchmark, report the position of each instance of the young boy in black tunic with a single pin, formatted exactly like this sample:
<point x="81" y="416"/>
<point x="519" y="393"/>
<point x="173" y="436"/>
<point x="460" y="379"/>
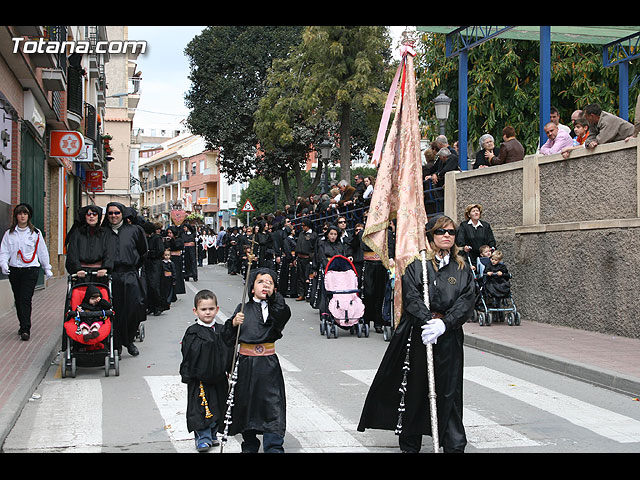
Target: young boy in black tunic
<point x="259" y="405"/>
<point x="205" y="362"/>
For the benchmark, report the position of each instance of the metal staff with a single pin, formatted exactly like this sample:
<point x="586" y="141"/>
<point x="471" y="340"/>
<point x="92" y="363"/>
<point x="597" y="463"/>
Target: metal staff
<point x="236" y="360"/>
<point x="430" y="369"/>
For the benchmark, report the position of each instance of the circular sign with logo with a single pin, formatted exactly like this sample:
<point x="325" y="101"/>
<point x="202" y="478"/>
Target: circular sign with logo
<point x="65" y="143"/>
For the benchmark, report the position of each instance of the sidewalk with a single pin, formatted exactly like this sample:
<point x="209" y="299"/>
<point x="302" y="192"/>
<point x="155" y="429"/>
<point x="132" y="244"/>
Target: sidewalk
<point x="605" y="360"/>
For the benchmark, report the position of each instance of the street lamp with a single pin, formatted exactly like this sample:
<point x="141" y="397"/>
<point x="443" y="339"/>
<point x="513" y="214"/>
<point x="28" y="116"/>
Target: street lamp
<point x="325" y="154"/>
<point x="276" y="183"/>
<point x="442" y="104"/>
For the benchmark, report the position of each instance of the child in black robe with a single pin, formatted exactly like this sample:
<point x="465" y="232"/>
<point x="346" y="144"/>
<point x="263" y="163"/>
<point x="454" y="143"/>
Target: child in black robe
<point x="259" y="402"/>
<point x="168" y="282"/>
<point x="89" y="327"/>
<point x="205" y="362"/>
<point x="497" y="283"/>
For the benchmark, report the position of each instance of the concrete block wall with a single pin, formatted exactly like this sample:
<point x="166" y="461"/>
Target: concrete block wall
<point x="570" y="231"/>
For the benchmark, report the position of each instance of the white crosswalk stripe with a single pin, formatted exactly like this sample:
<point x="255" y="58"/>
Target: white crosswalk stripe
<point x="604" y="422"/>
<point x="481" y="432"/>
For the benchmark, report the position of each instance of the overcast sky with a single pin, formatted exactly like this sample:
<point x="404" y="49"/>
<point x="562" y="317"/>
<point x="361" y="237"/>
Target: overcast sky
<point x="165" y="71"/>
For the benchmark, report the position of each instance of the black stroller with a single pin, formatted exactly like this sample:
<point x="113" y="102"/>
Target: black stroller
<point x="76" y="350"/>
<point x="495" y="302"/>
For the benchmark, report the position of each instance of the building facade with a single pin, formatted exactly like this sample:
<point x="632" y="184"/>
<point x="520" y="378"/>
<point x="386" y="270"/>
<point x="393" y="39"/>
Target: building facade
<point x="44" y="91"/>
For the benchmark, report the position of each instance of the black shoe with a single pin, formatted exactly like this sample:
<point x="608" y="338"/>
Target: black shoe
<point x="133" y="350"/>
<point x="157" y="313"/>
<point x="24" y="336"/>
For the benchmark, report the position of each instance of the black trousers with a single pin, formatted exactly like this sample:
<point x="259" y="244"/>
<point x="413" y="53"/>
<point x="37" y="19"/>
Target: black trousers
<point x="303" y="270"/>
<point x="374" y="284"/>
<point x="23" y="283"/>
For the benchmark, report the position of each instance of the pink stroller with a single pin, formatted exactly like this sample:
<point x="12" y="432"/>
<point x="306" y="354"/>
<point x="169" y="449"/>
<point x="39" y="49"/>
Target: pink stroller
<point x="341" y="306"/>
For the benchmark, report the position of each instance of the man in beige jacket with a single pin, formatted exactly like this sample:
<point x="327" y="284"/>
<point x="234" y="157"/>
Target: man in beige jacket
<point x="605" y="127"/>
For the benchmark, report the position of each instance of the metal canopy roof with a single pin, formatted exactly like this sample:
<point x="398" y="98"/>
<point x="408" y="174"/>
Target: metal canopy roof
<point x="597" y="35"/>
<point x="623" y="40"/>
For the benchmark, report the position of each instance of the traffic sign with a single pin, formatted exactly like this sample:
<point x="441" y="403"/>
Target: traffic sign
<point x="248" y="207"/>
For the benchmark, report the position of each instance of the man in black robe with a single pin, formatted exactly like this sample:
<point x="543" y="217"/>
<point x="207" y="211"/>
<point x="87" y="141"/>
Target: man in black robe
<point x="305" y="250"/>
<point x="129" y="247"/>
<point x="190" y="267"/>
<point x="153" y="271"/>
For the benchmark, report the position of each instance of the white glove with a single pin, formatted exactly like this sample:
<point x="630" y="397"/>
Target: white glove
<point x="48" y="273"/>
<point x="5" y="270"/>
<point x="432" y="330"/>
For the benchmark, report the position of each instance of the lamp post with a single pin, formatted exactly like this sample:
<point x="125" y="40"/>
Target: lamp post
<point x="325" y="154"/>
<point x="442" y="104"/>
<point x="276" y="183"/>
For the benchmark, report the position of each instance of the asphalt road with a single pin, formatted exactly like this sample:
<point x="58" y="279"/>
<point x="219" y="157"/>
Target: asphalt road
<point x="509" y="407"/>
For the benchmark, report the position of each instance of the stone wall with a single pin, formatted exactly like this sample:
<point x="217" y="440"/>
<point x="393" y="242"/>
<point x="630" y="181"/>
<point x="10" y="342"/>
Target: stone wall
<point x="570" y="232"/>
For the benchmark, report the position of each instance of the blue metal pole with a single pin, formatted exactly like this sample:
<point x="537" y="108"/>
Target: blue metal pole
<point x="623" y="89"/>
<point x="545" y="79"/>
<point x="462" y="110"/>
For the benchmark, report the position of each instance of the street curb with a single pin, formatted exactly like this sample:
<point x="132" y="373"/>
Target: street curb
<point x="600" y="377"/>
<point x="11" y="411"/>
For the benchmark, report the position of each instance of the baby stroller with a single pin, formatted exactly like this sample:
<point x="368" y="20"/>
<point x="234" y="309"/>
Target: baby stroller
<point x="343" y="304"/>
<point x="75" y="349"/>
<point x="495" y="302"/>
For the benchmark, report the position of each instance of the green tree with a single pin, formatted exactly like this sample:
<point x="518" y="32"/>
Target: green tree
<point x="228" y="67"/>
<point x="504" y="87"/>
<point x="335" y="71"/>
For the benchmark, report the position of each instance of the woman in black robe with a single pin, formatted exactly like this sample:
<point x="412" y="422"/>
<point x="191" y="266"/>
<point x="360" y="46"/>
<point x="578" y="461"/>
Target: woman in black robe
<point x="326" y="249"/>
<point x="452" y="298"/>
<point x="473" y="233"/>
<point x="153" y="271"/>
<point x="129" y="245"/>
<point x="87" y="244"/>
<point x="175" y="244"/>
<point x="259" y="395"/>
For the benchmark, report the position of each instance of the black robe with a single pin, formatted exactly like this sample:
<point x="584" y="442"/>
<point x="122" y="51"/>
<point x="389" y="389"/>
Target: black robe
<point x="452" y="295"/>
<point x="475" y="238"/>
<point x="325" y="251"/>
<point x="88" y="246"/>
<point x="260" y="401"/>
<point x="153" y="273"/>
<point x="287" y="272"/>
<point x="201" y="347"/>
<point x="176" y="244"/>
<point x="129" y="246"/>
<point x="498" y="286"/>
<point x="168" y="282"/>
<point x="190" y="262"/>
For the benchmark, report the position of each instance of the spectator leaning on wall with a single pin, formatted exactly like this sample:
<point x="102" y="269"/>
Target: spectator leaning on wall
<point x="605" y="127"/>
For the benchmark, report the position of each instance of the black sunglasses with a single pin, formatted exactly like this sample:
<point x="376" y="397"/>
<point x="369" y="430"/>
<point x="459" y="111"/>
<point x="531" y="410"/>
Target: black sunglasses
<point x="114" y="213"/>
<point x="442" y="231"/>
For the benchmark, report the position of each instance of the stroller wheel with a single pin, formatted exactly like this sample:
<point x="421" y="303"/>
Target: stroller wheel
<point x="517" y="318"/>
<point x="481" y="319"/>
<point x="73" y="367"/>
<point x="366" y="330"/>
<point x="510" y="318"/>
<point x="323" y="325"/>
<point x="107" y="365"/>
<point x="359" y="329"/>
<point x="386" y="333"/>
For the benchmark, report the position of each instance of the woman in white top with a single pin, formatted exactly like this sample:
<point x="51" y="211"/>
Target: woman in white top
<point x="22" y="252"/>
<point x="368" y="183"/>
